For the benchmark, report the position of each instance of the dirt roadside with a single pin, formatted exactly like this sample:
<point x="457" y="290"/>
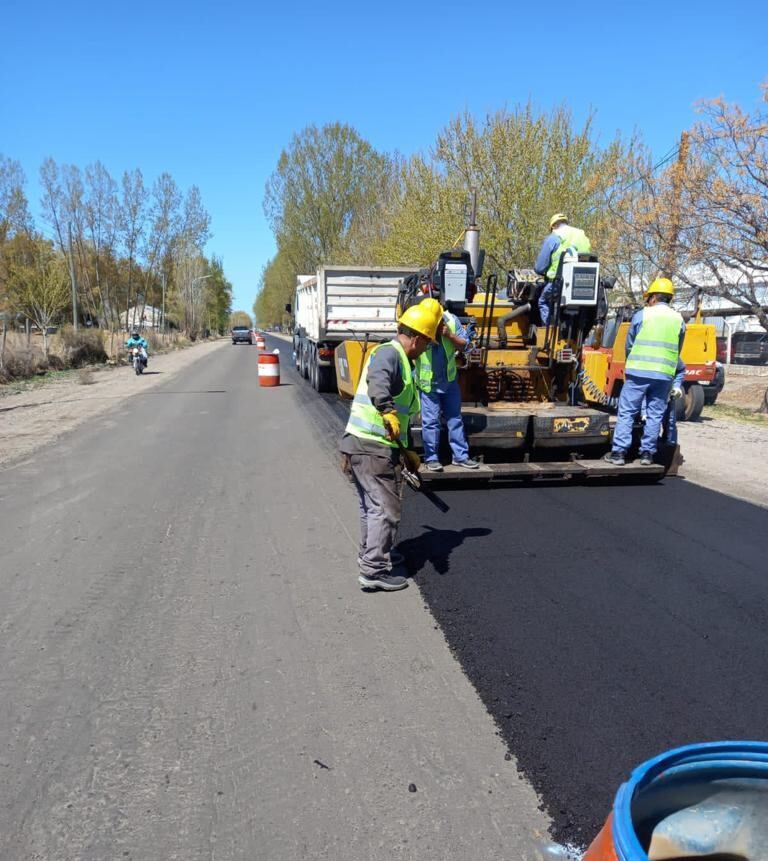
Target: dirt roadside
<point x="31" y="418"/>
<point x="727" y="455"/>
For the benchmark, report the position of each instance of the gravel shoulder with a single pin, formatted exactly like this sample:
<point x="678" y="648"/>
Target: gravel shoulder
<point x="727" y="455"/>
<point x="43" y="412"/>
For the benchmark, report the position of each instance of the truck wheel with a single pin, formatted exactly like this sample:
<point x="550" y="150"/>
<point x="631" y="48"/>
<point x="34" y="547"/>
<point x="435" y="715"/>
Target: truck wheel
<point x="313" y="373"/>
<point x="693" y="402"/>
<point x="304" y="365"/>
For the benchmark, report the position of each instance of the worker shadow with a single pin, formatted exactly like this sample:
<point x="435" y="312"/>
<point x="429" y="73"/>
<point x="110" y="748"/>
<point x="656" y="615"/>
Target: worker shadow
<point x="435" y="546"/>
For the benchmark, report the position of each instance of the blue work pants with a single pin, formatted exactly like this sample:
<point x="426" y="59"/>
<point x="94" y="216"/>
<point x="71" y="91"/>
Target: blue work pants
<point x="544" y="300"/>
<point x="656" y="394"/>
<point x="449" y="403"/>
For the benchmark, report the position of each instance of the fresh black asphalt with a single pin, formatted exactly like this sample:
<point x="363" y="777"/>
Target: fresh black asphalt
<point x="600" y="625"/>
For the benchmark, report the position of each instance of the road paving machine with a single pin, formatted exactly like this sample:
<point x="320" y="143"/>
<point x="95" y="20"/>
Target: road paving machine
<point x="523" y="403"/>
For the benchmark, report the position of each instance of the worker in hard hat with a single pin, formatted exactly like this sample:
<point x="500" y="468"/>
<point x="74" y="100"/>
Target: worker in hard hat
<point x="562" y="237"/>
<point x="651" y="371"/>
<point x="377" y="434"/>
<point x="435" y="371"/>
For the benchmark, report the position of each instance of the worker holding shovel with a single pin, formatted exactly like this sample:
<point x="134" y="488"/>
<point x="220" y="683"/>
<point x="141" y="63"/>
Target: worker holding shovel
<point x="377" y="434"/>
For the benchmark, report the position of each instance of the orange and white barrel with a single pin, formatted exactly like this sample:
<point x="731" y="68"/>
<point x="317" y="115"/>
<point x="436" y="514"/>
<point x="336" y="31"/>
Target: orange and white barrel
<point x="269" y="369"/>
<point x="261" y="344"/>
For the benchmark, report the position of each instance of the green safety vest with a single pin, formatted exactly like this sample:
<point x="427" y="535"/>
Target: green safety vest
<point x="365" y="421"/>
<point x="570" y="237"/>
<point x="657" y="344"/>
<point x="424" y="362"/>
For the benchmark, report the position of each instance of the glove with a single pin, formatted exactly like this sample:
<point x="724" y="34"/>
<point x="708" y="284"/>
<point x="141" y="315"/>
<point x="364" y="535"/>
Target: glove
<point x="675" y="394"/>
<point x="412" y="460"/>
<point x="392" y="424"/>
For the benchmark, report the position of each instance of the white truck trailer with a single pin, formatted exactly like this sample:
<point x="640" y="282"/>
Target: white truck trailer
<point x="341" y="303"/>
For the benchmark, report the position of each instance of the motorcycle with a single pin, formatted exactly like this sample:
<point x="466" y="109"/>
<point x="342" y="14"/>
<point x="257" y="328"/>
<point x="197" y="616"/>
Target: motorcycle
<point x="138" y="360"/>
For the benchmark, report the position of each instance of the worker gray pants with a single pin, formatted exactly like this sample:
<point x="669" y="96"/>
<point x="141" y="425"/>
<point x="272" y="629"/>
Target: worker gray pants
<point x="379" y="485"/>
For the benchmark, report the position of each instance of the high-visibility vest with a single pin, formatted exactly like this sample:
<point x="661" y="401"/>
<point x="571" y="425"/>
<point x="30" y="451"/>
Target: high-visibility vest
<point x="424" y="372"/>
<point x="365" y="421"/>
<point x="657" y="344"/>
<point x="570" y="237"/>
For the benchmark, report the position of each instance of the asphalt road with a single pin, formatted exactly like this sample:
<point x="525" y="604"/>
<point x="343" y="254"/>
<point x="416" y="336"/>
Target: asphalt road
<point x="601" y="625"/>
<point x="189" y="670"/>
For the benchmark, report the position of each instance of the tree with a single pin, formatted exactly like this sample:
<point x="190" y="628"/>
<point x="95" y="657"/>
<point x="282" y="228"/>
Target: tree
<point x="277" y="285"/>
<point x="38" y="282"/>
<point x="14" y="213"/>
<point x="325" y="181"/>
<point x="240" y="318"/>
<point x="725" y="206"/>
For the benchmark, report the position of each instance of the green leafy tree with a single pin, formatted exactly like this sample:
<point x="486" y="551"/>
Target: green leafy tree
<point x="240" y="318"/>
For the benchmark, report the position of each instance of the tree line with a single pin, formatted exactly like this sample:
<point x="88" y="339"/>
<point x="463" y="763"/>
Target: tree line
<point x="698" y="215"/>
<point x="120" y="248"/>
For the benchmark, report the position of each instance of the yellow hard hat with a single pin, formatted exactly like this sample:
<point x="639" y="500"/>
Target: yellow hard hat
<point x="661" y="285"/>
<point x="558" y="216"/>
<point x="423" y="318"/>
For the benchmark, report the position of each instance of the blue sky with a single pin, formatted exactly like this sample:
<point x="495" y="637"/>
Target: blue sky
<point x="213" y="92"/>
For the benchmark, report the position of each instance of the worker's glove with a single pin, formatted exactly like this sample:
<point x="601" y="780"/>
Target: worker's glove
<point x="392" y="424"/>
<point x="675" y="394"/>
<point x="412" y="461"/>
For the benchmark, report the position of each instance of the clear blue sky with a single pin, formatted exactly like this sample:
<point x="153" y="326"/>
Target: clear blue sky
<point x="212" y="92"/>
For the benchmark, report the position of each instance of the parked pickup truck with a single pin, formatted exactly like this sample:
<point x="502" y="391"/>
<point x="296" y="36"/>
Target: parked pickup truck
<point x="241" y="335"/>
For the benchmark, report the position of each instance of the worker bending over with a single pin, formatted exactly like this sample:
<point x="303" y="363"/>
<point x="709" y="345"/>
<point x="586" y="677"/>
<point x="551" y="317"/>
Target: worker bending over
<point x="561" y="238"/>
<point x="385" y="400"/>
<point x="654" y="341"/>
<point x="440" y="393"/>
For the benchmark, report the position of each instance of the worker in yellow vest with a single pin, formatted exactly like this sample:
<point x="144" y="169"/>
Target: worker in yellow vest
<point x="651" y="372"/>
<point x="561" y="238"/>
<point x="440" y="395"/>
<point x="377" y="432"/>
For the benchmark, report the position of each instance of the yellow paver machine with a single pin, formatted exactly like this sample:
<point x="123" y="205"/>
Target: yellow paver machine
<point x="524" y="407"/>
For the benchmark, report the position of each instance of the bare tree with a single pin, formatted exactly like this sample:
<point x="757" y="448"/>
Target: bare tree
<point x="131" y="224"/>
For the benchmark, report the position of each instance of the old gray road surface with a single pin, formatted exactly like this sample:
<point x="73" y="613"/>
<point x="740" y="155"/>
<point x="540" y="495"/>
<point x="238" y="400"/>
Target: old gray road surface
<point x="188" y="669"/>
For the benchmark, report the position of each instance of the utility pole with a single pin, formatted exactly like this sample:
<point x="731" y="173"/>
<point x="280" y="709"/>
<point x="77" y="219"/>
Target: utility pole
<point x="72" y="279"/>
<point x="678" y="172"/>
<point x="163" y="312"/>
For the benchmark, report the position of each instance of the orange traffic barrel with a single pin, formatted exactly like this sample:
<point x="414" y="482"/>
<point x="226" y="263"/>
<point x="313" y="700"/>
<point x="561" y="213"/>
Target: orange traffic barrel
<point x="269" y="369"/>
<point x="261" y="343"/>
<point x="686" y="798"/>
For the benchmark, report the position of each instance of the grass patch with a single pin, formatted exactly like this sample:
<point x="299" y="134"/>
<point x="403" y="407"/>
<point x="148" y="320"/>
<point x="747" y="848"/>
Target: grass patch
<point x="740" y="414"/>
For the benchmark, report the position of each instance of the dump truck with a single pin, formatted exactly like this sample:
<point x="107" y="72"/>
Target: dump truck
<point x="338" y="312"/>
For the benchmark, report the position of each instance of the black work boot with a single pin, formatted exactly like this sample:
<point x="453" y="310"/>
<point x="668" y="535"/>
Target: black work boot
<point x="616" y="457"/>
<point x="384" y="581"/>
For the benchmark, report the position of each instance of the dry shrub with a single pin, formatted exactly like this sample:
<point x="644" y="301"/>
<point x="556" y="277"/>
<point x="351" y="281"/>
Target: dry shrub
<point x="84" y="347"/>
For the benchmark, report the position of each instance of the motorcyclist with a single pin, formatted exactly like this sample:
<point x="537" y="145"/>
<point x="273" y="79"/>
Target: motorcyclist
<point x="136" y="340"/>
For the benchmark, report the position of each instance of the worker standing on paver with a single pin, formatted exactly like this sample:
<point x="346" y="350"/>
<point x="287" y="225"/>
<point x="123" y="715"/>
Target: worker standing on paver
<point x="436" y="380"/>
<point x="654" y="341"/>
<point x="377" y="432"/>
<point x="561" y="238"/>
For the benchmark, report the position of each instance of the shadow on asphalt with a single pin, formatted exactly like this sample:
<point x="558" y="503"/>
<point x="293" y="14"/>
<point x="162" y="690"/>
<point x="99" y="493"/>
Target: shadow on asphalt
<point x="435" y="546"/>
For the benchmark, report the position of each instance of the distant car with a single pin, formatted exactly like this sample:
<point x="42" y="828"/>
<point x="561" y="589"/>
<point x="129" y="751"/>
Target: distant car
<point x="747" y="348"/>
<point x="241" y="335"/>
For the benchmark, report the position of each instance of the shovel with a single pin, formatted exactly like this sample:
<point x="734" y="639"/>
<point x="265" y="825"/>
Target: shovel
<point x="409" y="467"/>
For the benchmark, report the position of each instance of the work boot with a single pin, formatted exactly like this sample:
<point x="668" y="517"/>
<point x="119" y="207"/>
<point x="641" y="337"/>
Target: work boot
<point x="434" y="466"/>
<point x="646" y="458"/>
<point x="616" y="457"/>
<point x="469" y="463"/>
<point x="384" y="581"/>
